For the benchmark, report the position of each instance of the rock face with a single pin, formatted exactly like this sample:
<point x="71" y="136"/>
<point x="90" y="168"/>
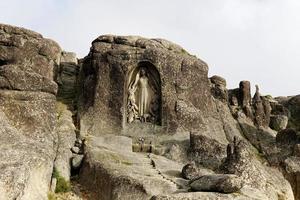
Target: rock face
<point x="27" y="113"/>
<point x="119" y="173"/>
<point x="204" y="148"/>
<point x="22" y="54"/>
<point x="288" y="141"/>
<point x="106" y="73"/>
<point x="187" y="103"/>
<point x="293" y="173"/>
<point x="218" y="88"/>
<point x="66" y="135"/>
<point x="66" y="75"/>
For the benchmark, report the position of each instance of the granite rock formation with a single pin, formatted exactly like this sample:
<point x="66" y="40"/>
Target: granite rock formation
<point x="105" y="75"/>
<point x="27" y="113"/>
<point x="66" y="137"/>
<point x="200" y="118"/>
<point x="138" y="119"/>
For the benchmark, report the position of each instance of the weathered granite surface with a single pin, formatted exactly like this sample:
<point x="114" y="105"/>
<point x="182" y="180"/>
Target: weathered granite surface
<point x="27" y="113"/>
<point x="66" y="136"/>
<point x="66" y="76"/>
<point x="105" y="71"/>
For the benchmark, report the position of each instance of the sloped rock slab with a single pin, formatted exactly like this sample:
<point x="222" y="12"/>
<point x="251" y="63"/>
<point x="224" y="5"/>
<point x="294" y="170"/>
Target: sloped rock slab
<point x="113" y="171"/>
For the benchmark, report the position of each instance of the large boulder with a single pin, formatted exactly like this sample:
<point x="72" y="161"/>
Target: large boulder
<point x="27" y="113"/>
<point x="207" y="152"/>
<point x="218" y="85"/>
<point x="279" y="122"/>
<point x="27" y="52"/>
<point x="191" y="171"/>
<point x="224" y="183"/>
<point x="106" y="72"/>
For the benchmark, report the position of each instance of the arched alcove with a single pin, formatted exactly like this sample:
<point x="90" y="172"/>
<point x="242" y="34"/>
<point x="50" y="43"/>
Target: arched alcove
<point x="143" y="89"/>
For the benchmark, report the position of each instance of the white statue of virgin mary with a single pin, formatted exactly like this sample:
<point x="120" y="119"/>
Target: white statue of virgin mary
<point x="143" y="93"/>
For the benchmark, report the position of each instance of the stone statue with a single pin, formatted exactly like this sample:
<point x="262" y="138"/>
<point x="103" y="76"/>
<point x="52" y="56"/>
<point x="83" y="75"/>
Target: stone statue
<point x="142" y="83"/>
<point x="142" y="98"/>
<point x="131" y="106"/>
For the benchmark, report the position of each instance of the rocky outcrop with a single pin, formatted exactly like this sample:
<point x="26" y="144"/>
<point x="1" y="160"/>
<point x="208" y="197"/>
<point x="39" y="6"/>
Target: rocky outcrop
<point x="66" y="76"/>
<point x="25" y="178"/>
<point x="288" y="140"/>
<point x="241" y="162"/>
<point x="131" y="151"/>
<point x="245" y="93"/>
<point x="292" y="173"/>
<point x="218" y="88"/>
<point x="292" y="105"/>
<point x="27" y="113"/>
<point x="262" y="109"/>
<point x="22" y="53"/>
<point x="206" y="152"/>
<point x="241" y="97"/>
<point x="105" y="72"/>
<point x="211" y="114"/>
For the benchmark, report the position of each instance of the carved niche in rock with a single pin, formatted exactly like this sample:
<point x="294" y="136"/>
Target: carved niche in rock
<point x="144" y="94"/>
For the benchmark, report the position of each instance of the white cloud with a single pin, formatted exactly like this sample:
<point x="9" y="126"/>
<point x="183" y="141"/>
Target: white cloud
<point x="256" y="40"/>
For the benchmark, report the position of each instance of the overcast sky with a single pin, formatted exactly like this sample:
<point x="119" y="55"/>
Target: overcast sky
<point x="256" y="40"/>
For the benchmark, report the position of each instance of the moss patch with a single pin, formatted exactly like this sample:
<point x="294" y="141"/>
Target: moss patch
<point x="62" y="185"/>
<point x="51" y="196"/>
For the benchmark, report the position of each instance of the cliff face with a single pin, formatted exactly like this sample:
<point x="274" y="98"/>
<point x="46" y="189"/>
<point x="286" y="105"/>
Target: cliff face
<point x="112" y="66"/>
<point x="144" y="108"/>
<point x="27" y="113"/>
